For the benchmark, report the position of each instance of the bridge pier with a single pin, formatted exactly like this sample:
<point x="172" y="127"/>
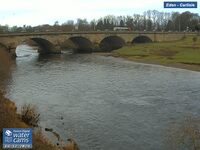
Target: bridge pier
<point x="12" y="52"/>
<point x="11" y="49"/>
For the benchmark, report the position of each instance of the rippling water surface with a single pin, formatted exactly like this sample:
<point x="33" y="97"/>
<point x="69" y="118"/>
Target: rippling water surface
<point x="106" y="103"/>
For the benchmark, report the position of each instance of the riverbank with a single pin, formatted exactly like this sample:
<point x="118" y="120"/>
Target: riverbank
<point x="10" y="119"/>
<point x="8" y="110"/>
<point x="183" y="54"/>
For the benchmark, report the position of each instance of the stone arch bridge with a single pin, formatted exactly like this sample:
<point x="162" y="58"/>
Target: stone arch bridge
<point x="53" y="42"/>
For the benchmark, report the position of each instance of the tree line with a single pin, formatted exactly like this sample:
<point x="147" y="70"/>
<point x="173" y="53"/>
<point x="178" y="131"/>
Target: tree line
<point x="151" y="20"/>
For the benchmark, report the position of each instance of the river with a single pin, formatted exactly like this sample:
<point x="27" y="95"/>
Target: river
<point x="105" y="103"/>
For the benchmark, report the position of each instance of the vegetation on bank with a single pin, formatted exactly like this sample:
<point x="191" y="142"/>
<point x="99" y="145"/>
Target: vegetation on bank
<point x="28" y="118"/>
<point x="184" y="53"/>
<point x="10" y="119"/>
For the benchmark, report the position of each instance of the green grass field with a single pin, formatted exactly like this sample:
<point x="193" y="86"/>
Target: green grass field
<point x="185" y="52"/>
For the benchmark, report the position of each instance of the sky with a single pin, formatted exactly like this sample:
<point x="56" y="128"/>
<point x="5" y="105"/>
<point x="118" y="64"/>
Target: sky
<point x="37" y="12"/>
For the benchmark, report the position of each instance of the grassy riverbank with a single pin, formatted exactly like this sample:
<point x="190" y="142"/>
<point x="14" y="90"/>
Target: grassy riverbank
<point x="184" y="53"/>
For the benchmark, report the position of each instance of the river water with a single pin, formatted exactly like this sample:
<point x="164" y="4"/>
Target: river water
<point x="106" y="103"/>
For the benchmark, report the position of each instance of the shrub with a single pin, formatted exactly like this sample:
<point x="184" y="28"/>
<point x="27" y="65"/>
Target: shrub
<point x="30" y="115"/>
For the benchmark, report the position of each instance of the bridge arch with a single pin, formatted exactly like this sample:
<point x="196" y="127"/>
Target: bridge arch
<point x="111" y="43"/>
<point x="45" y="46"/>
<point x="78" y="44"/>
<point x="142" y="39"/>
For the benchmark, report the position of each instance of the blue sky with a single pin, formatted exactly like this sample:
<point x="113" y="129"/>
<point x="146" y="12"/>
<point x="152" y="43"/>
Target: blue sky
<point x="34" y="12"/>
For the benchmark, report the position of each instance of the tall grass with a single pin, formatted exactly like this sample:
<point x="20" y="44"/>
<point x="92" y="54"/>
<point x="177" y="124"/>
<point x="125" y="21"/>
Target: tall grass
<point x="30" y="115"/>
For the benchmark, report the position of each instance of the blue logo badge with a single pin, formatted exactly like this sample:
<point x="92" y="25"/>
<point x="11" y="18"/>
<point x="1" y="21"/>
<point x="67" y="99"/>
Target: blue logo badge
<point x="179" y="4"/>
<point x="17" y="138"/>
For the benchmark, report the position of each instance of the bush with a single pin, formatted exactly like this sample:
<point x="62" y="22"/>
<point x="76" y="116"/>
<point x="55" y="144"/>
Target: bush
<point x="29" y="115"/>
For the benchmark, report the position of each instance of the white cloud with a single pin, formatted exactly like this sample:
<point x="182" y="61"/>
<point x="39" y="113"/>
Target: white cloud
<point x="33" y="12"/>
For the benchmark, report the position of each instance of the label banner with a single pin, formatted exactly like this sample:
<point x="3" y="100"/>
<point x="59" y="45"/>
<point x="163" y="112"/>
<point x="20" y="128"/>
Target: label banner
<point x="179" y="4"/>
